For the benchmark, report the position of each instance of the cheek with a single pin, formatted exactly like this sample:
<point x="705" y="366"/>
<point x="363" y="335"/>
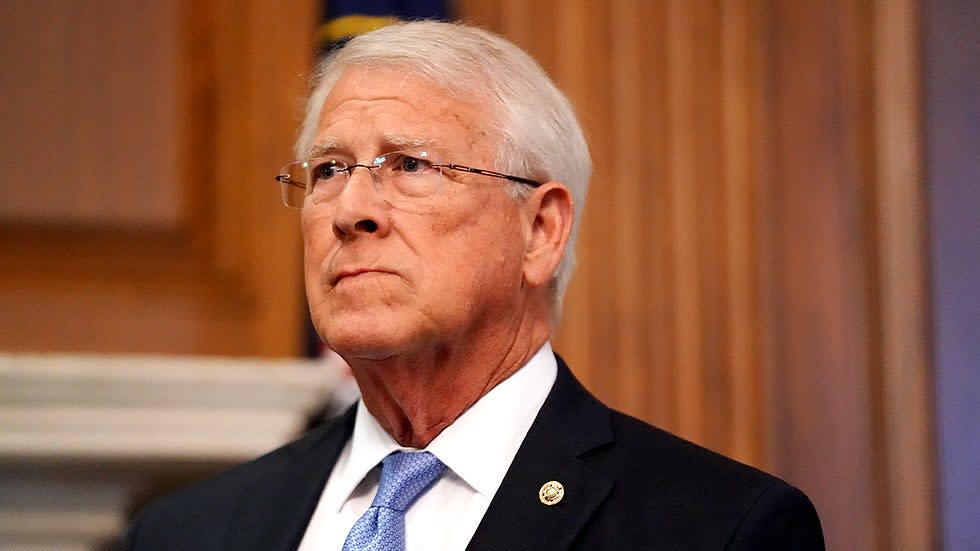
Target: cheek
<point x="477" y="253"/>
<point x="317" y="232"/>
<point x="318" y="240"/>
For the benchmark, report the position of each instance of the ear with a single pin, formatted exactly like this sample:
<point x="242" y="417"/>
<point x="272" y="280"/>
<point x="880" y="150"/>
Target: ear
<point x="549" y="211"/>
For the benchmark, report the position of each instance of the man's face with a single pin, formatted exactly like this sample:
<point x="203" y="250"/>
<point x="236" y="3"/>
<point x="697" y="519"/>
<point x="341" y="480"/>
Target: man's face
<point x="386" y="278"/>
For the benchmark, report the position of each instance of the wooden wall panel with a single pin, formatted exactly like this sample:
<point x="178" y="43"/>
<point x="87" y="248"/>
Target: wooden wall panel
<point x="211" y="266"/>
<point x="822" y="394"/>
<point x="76" y="108"/>
<point x="908" y="442"/>
<point x="754" y="197"/>
<point x="742" y="180"/>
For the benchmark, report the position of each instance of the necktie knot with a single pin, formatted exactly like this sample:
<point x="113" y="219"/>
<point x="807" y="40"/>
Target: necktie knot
<point x="404" y="477"/>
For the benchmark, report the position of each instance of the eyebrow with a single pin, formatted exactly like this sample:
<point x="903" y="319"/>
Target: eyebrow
<point x="323" y="146"/>
<point x="398" y="141"/>
<point x="389" y="142"/>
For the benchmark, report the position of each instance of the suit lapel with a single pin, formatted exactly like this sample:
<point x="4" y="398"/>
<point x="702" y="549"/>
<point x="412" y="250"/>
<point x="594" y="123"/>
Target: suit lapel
<point x="571" y="423"/>
<point x="273" y="511"/>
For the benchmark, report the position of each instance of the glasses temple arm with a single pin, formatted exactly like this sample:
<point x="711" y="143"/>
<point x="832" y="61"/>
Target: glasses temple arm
<point x="492" y="173"/>
<point x="285" y="179"/>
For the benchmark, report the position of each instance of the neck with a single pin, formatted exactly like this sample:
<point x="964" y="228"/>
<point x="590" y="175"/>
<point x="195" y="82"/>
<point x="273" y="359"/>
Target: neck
<point x="414" y="397"/>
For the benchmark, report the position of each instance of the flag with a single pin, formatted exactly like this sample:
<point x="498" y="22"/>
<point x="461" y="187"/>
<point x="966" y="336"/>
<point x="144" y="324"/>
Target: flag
<point x="343" y="19"/>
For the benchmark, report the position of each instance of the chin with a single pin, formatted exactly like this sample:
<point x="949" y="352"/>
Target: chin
<point x="375" y="340"/>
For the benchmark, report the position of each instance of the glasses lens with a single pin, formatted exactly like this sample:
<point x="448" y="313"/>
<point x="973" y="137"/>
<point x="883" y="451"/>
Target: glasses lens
<point x="292" y="184"/>
<point x="398" y="177"/>
<point x="410" y="175"/>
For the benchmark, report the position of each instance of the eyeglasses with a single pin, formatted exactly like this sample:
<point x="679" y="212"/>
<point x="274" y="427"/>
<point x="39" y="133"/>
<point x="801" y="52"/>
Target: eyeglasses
<point x="398" y="176"/>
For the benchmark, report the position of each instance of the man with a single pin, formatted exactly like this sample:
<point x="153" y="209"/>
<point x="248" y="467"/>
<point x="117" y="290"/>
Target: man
<point x="442" y="180"/>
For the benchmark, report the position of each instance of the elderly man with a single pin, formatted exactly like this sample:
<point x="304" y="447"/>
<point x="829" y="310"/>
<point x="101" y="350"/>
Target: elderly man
<point x="441" y="182"/>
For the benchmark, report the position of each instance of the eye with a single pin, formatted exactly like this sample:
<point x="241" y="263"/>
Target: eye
<point x="406" y="163"/>
<point x="327" y="170"/>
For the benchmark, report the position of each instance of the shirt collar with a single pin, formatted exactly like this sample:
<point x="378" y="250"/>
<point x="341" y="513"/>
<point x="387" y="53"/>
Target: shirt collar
<point x="479" y="445"/>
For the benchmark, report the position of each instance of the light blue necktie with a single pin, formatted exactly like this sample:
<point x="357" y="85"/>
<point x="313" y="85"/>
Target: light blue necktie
<point x="404" y="477"/>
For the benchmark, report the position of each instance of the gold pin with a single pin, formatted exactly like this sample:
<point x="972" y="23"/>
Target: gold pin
<point x="551" y="492"/>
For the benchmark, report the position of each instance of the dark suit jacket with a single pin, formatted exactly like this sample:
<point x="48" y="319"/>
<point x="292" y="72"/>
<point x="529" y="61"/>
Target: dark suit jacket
<point x="627" y="486"/>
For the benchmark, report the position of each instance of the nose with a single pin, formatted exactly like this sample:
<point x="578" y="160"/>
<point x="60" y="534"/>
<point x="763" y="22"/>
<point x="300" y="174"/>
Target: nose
<point x="360" y="209"/>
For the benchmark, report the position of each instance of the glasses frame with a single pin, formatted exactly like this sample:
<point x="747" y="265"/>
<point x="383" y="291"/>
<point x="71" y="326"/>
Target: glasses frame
<point x="284" y="179"/>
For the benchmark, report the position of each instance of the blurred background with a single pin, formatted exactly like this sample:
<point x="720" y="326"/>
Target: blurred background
<point x="779" y="257"/>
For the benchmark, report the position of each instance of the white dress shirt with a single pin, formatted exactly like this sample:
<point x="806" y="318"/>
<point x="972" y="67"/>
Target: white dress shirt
<point x="477" y="450"/>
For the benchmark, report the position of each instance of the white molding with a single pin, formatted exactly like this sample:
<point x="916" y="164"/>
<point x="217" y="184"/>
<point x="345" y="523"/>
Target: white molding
<point x="80" y="434"/>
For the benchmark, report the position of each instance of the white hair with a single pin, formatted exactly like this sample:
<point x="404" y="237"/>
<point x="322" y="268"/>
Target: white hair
<point x="539" y="135"/>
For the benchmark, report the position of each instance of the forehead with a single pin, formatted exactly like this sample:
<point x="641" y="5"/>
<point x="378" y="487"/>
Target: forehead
<point x="388" y="106"/>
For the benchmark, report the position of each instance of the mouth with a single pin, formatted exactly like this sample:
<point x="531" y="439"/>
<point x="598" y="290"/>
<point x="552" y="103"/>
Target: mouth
<point x="348" y="273"/>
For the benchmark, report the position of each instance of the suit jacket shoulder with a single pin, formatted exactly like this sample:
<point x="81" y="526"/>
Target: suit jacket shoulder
<point x="629" y="485"/>
<point x="671" y="491"/>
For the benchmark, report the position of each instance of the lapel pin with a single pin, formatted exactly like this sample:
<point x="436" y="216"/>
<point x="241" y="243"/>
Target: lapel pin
<point x="551" y="492"/>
